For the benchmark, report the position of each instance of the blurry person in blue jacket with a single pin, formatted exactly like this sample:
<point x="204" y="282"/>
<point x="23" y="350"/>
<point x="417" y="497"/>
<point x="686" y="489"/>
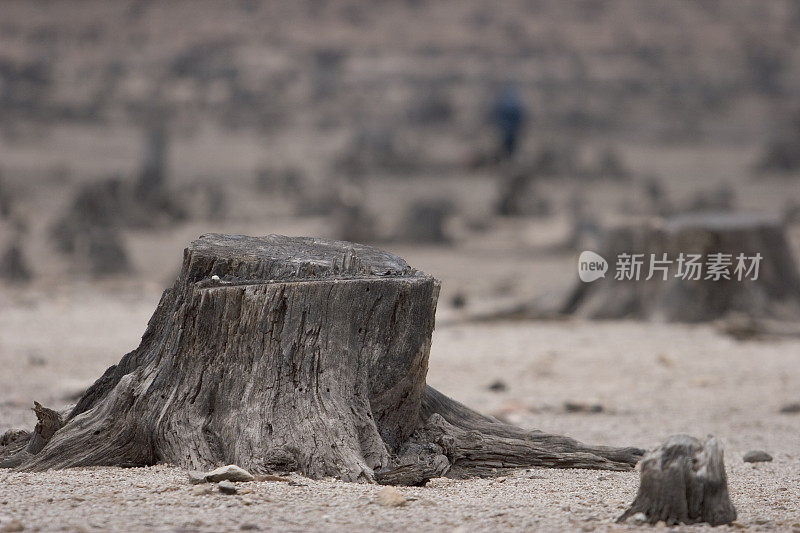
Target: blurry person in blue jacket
<point x="508" y="114"/>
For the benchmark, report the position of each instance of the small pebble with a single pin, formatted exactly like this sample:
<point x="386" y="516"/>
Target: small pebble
<point x="12" y="526"/>
<point x="390" y="497"/>
<point x="195" y="477"/>
<point x="229" y="473"/>
<point x="498" y="386"/>
<point x="227" y="487"/>
<point x="757" y="456"/>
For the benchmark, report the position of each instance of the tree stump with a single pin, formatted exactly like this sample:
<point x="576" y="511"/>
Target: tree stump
<point x="684" y="482"/>
<point x="14" y="267"/>
<point x="425" y="221"/>
<point x="295" y="354"/>
<point x="6" y="199"/>
<point x="519" y="195"/>
<point x="774" y="294"/>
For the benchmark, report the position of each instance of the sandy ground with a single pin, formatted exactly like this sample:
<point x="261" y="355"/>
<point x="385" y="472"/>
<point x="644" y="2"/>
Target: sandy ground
<point x="652" y="380"/>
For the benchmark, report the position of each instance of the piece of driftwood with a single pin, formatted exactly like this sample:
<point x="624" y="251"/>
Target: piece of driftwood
<point x="684" y="482"/>
<point x="295" y="354"/>
<point x="774" y="294"/>
<point x="49" y="422"/>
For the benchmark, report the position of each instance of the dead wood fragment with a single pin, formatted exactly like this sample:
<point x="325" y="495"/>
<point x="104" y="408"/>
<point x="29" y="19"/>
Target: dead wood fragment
<point x="49" y="422"/>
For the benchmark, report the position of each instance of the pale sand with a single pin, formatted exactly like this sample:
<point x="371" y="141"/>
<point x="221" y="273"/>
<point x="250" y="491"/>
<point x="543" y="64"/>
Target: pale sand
<point x="652" y="380"/>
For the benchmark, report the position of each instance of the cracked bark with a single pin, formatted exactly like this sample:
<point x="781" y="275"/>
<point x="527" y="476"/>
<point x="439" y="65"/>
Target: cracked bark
<point x="304" y="355"/>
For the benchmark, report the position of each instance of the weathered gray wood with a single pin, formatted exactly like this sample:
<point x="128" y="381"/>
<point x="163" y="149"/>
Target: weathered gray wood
<point x="416" y="463"/>
<point x="473" y="441"/>
<point x="684" y="482"/>
<point x="295" y="354"/>
<point x="49" y="422"/>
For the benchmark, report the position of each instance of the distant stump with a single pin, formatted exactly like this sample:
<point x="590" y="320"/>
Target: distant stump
<point x="775" y="293"/>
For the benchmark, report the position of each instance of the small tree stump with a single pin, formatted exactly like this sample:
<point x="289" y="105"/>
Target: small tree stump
<point x="295" y="354"/>
<point x="775" y="294"/>
<point x="425" y="221"/>
<point x="14" y="268"/>
<point x="684" y="482"/>
<point x="6" y="199"/>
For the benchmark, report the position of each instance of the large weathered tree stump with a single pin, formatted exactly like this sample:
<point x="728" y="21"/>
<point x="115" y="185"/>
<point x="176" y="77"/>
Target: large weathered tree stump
<point x="774" y="294"/>
<point x="684" y="482"/>
<point x="294" y="354"/>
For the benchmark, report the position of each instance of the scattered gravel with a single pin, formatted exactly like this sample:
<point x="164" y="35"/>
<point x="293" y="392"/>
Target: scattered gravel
<point x="556" y="500"/>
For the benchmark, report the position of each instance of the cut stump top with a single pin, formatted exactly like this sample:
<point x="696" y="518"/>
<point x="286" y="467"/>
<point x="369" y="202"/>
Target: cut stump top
<point x="244" y="259"/>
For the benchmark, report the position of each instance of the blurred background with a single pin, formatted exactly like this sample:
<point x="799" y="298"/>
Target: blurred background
<point x="487" y="143"/>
